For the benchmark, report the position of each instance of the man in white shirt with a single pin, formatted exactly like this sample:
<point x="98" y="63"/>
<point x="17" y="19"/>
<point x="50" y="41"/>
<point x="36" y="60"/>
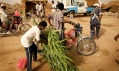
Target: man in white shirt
<point x="53" y="6"/>
<point x="41" y="10"/>
<point x="4" y="20"/>
<point x="29" y="45"/>
<point x="3" y="16"/>
<point x="37" y="9"/>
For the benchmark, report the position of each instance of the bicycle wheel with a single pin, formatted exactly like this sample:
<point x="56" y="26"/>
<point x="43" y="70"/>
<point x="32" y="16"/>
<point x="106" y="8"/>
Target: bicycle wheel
<point x="87" y="46"/>
<point x="2" y="32"/>
<point x="24" y="28"/>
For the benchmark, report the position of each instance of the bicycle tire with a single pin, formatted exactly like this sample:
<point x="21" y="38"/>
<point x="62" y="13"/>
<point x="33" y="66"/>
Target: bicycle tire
<point x="90" y="44"/>
<point x="2" y="33"/>
<point x="24" y="28"/>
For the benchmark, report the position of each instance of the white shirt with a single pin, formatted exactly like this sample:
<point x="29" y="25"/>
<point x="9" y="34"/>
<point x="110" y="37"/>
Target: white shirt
<point x="53" y="6"/>
<point x="3" y="15"/>
<point x="32" y="33"/>
<point x="39" y="7"/>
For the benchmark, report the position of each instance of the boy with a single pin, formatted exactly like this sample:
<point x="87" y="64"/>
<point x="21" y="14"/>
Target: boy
<point x="29" y="45"/>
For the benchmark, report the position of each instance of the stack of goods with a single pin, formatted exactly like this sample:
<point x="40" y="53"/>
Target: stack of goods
<point x="55" y="53"/>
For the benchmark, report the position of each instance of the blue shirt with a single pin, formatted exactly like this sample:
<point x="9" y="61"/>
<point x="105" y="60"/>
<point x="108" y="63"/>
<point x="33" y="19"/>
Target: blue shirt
<point x="95" y="16"/>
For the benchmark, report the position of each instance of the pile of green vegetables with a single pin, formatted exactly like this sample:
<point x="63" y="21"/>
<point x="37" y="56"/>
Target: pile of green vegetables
<point x="55" y="53"/>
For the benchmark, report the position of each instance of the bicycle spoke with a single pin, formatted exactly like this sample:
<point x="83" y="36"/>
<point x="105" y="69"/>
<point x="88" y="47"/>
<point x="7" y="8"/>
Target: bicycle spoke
<point x="86" y="46"/>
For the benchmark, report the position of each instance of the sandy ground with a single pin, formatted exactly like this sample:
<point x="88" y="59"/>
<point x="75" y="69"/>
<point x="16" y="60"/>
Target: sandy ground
<point x="102" y="60"/>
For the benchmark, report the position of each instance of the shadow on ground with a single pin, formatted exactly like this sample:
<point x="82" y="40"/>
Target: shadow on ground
<point x="102" y="32"/>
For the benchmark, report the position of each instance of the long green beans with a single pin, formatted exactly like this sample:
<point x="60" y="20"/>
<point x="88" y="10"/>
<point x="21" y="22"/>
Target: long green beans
<point x="55" y="54"/>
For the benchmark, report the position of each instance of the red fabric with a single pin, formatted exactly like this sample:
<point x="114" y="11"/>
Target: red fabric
<point x="16" y="13"/>
<point x="71" y="35"/>
<point x="22" y="63"/>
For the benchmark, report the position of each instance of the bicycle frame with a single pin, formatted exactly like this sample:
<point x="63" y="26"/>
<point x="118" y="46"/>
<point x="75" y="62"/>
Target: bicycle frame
<point x="81" y="38"/>
<point x="17" y="26"/>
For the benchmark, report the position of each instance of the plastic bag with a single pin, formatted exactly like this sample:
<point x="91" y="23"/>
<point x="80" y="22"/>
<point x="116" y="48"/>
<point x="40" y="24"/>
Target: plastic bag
<point x="22" y="63"/>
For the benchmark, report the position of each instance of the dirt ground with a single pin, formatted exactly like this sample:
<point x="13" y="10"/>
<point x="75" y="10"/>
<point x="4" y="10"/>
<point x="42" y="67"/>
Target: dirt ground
<point x="102" y="60"/>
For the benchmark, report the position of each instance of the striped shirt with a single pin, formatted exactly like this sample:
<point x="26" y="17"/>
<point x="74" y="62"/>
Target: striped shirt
<point x="57" y="18"/>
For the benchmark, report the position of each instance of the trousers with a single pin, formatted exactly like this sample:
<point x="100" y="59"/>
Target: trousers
<point x="32" y="50"/>
<point x="92" y="29"/>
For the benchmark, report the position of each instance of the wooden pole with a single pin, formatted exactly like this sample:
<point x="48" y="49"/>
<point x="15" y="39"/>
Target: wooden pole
<point x="23" y="2"/>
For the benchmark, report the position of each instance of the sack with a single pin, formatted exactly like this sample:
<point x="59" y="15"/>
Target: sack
<point x="70" y="34"/>
<point x="22" y="63"/>
<point x="71" y="38"/>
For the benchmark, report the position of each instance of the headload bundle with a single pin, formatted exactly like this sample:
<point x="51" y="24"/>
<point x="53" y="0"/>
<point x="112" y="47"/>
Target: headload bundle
<point x="55" y="53"/>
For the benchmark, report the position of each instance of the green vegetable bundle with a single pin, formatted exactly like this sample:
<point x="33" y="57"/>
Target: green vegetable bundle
<point x="44" y="34"/>
<point x="55" y="54"/>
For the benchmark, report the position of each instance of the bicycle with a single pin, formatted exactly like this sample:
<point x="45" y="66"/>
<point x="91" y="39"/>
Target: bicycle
<point x="23" y="26"/>
<point x="18" y="25"/>
<point x="85" y="44"/>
